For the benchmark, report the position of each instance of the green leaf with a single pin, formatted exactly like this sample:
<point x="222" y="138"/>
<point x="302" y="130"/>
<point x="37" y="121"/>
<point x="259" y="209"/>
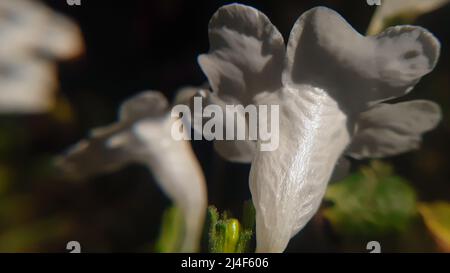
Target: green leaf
<point x="172" y="231"/>
<point x="371" y="202"/>
<point x="248" y="215"/>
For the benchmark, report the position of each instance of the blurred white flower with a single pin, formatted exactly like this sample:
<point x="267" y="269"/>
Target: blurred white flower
<point x="408" y="9"/>
<point x="32" y="37"/>
<point x="327" y="84"/>
<point x="27" y="85"/>
<point x="143" y="135"/>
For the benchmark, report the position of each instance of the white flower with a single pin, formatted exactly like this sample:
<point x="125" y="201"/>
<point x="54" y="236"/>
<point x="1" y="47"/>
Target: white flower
<point x="410" y="9"/>
<point x="327" y="84"/>
<point x="27" y="85"/>
<point x="31" y="37"/>
<point x="143" y="135"/>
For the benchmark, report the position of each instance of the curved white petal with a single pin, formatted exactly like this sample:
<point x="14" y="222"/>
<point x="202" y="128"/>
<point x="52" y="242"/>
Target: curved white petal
<point x="179" y="174"/>
<point x="108" y="149"/>
<point x="186" y="94"/>
<point x="112" y="147"/>
<point x="234" y="150"/>
<point x="403" y="8"/>
<point x="143" y="105"/>
<point x="288" y="184"/>
<point x="21" y="25"/>
<point x="391" y="129"/>
<point x="26" y="85"/>
<point x="62" y="38"/>
<point x="246" y="53"/>
<point x="325" y="51"/>
<point x="28" y="26"/>
<point x="143" y="135"/>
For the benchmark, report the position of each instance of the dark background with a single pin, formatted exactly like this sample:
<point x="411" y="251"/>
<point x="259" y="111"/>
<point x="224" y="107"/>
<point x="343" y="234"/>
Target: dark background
<point x="132" y="46"/>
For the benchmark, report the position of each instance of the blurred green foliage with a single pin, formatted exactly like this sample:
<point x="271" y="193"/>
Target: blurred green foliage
<point x="436" y="217"/>
<point x="30" y="237"/>
<point x="371" y="202"/>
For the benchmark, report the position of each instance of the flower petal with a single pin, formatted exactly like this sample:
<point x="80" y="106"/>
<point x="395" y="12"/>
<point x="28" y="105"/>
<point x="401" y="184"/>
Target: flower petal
<point x="234" y="150"/>
<point x="391" y="129"/>
<point x="112" y="147"/>
<point x="62" y="39"/>
<point x="145" y="104"/>
<point x="178" y="173"/>
<point x="106" y="150"/>
<point x="288" y="184"/>
<point x="26" y="85"/>
<point x="345" y="63"/>
<point x="30" y="26"/>
<point x="246" y="53"/>
<point x="21" y="24"/>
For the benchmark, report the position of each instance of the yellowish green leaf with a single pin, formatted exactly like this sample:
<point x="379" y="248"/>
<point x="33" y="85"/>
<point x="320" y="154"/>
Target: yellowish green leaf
<point x="436" y="217"/>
